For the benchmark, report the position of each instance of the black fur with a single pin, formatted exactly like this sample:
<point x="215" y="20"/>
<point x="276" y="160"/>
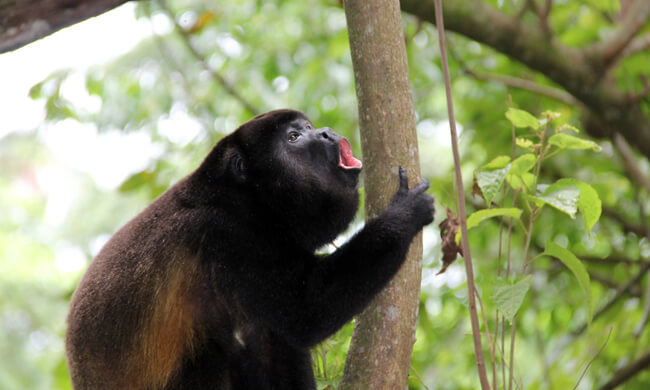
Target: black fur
<point x="215" y="285"/>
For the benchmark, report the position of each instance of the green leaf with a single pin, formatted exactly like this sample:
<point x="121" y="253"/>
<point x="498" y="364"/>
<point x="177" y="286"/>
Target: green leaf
<point x="521" y="182"/>
<point x="576" y="267"/>
<point x="36" y="91"/>
<point x="567" y="141"/>
<point x="509" y="298"/>
<point x="481" y="215"/>
<point x="564" y="199"/>
<point x="136" y="181"/>
<point x="523" y="164"/>
<point x="568" y="127"/>
<point x="497" y="163"/>
<point x="490" y="182"/>
<point x="61" y="376"/>
<point x="95" y="85"/>
<point x="520" y="118"/>
<point x="589" y="203"/>
<point x="524" y="143"/>
<point x="550" y="115"/>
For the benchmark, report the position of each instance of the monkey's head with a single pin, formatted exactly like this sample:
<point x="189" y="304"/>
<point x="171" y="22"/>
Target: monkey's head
<point x="304" y="177"/>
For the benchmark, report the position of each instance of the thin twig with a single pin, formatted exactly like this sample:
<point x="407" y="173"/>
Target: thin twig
<point x="500" y="248"/>
<point x="646" y="311"/>
<point x="225" y="84"/>
<point x="520" y="83"/>
<point x="512" y="351"/>
<point x="593" y="358"/>
<point x="514" y="198"/>
<point x="505" y="364"/>
<point x="630" y="162"/>
<point x="528" y="4"/>
<point x="541" y="345"/>
<point x="480" y="363"/>
<point x="509" y="264"/>
<point x="494" y="346"/>
<point x="417" y="376"/>
<point x="646" y="307"/>
<point x="487" y="333"/>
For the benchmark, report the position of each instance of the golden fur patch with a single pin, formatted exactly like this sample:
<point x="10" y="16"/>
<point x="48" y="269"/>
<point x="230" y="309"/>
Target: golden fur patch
<point x="169" y="333"/>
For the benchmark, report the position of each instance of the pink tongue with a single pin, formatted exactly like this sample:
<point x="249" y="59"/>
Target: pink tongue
<point x="346" y="159"/>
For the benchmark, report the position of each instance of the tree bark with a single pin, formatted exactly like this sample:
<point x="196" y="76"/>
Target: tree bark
<point x="380" y="352"/>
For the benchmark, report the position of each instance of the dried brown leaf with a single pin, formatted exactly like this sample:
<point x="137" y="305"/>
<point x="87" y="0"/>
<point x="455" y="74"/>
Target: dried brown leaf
<point x="450" y="249"/>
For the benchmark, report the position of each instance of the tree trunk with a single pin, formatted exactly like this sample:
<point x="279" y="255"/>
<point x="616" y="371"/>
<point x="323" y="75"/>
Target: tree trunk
<point x="380" y="353"/>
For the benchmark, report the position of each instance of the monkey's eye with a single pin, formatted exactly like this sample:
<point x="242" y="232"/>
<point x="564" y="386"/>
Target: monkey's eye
<point x="293" y="136"/>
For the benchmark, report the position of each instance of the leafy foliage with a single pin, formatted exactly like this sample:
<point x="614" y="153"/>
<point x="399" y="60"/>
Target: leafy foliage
<point x="295" y="54"/>
<point x="576" y="267"/>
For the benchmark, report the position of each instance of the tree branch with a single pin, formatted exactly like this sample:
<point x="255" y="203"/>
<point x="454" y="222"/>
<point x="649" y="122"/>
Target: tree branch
<point x="25" y="21"/>
<point x="516" y="82"/>
<point x="543" y="15"/>
<point x="578" y="70"/>
<point x="593" y="358"/>
<point x="626" y="372"/>
<point x="611" y="260"/>
<point x="635" y="292"/>
<point x="637" y="45"/>
<point x="633" y="20"/>
<point x="627" y="226"/>
<point x="646" y="311"/>
<point x="528" y="85"/>
<point x="630" y="163"/>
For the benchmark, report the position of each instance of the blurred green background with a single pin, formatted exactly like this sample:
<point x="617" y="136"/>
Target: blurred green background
<point x="111" y="136"/>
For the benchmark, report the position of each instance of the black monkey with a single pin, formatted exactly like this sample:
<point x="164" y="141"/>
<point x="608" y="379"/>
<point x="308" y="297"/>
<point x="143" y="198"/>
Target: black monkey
<point x="216" y="285"/>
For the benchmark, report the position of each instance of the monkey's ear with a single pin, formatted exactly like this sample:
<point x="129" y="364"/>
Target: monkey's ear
<point x="237" y="167"/>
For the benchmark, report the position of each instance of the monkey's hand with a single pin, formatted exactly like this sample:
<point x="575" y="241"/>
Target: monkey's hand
<point x="413" y="208"/>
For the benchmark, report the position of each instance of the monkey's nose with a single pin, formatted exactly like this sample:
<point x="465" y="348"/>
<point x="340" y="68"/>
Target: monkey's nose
<point x="329" y="134"/>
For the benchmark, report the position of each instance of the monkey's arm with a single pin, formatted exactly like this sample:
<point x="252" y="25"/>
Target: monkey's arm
<point x="314" y="299"/>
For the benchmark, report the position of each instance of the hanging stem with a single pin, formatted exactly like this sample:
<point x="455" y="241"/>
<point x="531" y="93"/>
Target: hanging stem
<point x="476" y="331"/>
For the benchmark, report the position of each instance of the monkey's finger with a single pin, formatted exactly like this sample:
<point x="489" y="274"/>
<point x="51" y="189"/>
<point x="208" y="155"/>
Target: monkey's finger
<point x="403" y="179"/>
<point x="423" y="186"/>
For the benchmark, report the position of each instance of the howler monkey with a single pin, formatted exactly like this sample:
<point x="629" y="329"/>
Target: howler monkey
<point x="216" y="285"/>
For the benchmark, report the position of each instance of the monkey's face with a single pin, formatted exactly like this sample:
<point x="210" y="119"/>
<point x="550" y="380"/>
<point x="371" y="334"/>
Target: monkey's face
<point x="318" y="153"/>
<point x="280" y="166"/>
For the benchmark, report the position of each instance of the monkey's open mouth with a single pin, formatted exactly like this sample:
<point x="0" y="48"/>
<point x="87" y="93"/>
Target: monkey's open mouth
<point x="346" y="159"/>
